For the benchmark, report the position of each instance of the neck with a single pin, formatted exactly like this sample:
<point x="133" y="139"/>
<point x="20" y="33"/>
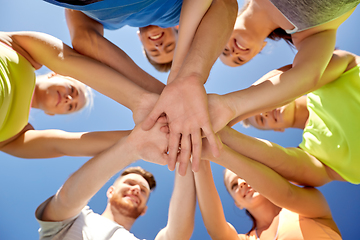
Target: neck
<point x="301" y="113"/>
<point x="256" y="20"/>
<point x="114" y="215"/>
<point x="265" y="214"/>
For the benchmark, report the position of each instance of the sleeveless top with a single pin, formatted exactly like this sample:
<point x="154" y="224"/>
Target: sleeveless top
<point x="333" y="130"/>
<point x="17" y="84"/>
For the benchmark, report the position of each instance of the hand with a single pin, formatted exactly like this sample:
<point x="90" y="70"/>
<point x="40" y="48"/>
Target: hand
<point x="145" y="105"/>
<point x="152" y="145"/>
<point x="184" y="101"/>
<point x="220" y="110"/>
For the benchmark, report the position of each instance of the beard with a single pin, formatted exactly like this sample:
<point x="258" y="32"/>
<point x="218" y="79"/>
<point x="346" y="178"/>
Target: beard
<point x="125" y="208"/>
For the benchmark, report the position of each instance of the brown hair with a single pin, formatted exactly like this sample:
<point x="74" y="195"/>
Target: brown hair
<point x="161" y="67"/>
<point x="148" y="176"/>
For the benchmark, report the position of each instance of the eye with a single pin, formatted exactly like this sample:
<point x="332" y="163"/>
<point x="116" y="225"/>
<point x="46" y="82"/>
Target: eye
<point x="72" y="88"/>
<point x="234" y="185"/>
<point x="240" y="60"/>
<point x="70" y="107"/>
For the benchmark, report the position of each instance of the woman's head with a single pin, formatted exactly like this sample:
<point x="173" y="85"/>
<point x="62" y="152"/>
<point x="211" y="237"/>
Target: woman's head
<point x="278" y="119"/>
<point x="243" y="194"/>
<point x="57" y="94"/>
<point x="159" y="45"/>
<point x="245" y="41"/>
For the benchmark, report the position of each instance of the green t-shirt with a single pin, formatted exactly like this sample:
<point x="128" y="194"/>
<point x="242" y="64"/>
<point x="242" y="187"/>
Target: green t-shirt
<point x="332" y="134"/>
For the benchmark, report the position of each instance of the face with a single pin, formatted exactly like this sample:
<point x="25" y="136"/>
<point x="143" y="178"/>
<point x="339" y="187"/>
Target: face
<point x="159" y="43"/>
<point x="241" y="48"/>
<point x="130" y="195"/>
<point x="242" y="193"/>
<point x="61" y="95"/>
<point x="278" y="119"/>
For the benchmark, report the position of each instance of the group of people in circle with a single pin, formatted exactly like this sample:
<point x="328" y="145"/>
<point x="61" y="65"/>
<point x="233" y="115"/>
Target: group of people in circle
<point x="179" y="124"/>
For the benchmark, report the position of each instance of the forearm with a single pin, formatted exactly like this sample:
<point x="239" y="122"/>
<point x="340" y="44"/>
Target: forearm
<point x="87" y="39"/>
<point x="308" y="202"/>
<point x="85" y="182"/>
<point x="210" y="38"/>
<point x="181" y="209"/>
<point x="63" y="60"/>
<point x="57" y="143"/>
<point x="210" y="205"/>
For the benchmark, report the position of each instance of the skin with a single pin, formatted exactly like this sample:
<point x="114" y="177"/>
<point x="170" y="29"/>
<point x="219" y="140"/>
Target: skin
<point x="159" y="43"/>
<point x="133" y="189"/>
<point x="264" y="193"/>
<point x="42" y="49"/>
<point x="59" y="95"/>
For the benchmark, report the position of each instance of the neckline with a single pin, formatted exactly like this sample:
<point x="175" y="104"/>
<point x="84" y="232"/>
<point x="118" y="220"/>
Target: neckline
<point x="277" y="230"/>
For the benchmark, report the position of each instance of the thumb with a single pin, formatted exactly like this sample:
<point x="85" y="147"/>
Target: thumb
<point x="151" y="119"/>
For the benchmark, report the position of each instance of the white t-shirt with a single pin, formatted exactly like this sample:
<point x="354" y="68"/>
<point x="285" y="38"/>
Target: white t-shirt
<point x="85" y="226"/>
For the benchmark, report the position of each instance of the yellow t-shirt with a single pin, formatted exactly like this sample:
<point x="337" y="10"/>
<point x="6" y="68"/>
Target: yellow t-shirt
<point x="332" y="134"/>
<point x="17" y="84"/>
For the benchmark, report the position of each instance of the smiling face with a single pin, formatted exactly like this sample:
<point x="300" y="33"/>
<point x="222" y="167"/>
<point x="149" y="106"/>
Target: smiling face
<point x="60" y="95"/>
<point x="278" y="119"/>
<point x="129" y="195"/>
<point x="241" y="48"/>
<point x="242" y="193"/>
<point x="159" y="43"/>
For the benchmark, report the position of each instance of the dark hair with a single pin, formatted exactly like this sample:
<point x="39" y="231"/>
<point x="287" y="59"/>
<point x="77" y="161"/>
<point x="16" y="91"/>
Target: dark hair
<point x="246" y="211"/>
<point x="161" y="67"/>
<point x="148" y="176"/>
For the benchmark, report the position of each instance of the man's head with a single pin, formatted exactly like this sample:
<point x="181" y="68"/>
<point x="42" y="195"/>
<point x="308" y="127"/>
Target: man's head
<point x="159" y="45"/>
<point x="131" y="191"/>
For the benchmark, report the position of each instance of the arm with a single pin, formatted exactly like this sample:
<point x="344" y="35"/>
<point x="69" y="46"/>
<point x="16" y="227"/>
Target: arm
<point x="87" y="38"/>
<point x="293" y="164"/>
<point x="306" y="201"/>
<point x="210" y="205"/>
<point x="242" y="104"/>
<point x="60" y="58"/>
<point x="184" y="99"/>
<point x="57" y="143"/>
<point x="85" y="182"/>
<point x="181" y="210"/>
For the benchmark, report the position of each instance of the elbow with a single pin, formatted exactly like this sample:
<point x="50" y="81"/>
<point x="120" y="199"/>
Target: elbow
<point x="84" y="41"/>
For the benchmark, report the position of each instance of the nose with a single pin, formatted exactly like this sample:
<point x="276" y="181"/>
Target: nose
<point x="158" y="44"/>
<point x="135" y="189"/>
<point x="68" y="98"/>
<point x="242" y="184"/>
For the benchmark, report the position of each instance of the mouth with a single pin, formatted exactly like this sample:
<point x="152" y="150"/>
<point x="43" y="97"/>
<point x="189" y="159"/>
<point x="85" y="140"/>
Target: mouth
<point x="133" y="199"/>
<point x="239" y="46"/>
<point x="249" y="190"/>
<point x="59" y="98"/>
<point x="156" y="37"/>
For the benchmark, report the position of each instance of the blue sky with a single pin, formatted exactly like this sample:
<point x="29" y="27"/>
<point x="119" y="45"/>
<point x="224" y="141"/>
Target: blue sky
<point x="24" y="184"/>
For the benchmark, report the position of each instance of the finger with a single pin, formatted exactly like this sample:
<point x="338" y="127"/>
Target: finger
<point x="174" y="140"/>
<point x="196" y="149"/>
<point x="213" y="141"/>
<point x="185" y="153"/>
<point x="151" y="119"/>
<point x="162" y="119"/>
<point x="164" y="129"/>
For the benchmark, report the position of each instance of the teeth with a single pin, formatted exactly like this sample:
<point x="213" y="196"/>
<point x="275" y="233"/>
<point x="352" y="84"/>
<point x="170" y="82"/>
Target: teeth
<point x="156" y="36"/>
<point x="239" y="46"/>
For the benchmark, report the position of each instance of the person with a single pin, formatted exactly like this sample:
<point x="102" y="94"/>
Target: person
<point x="277" y="208"/>
<point x="204" y="27"/>
<point x="67" y="216"/>
<point x="314" y="37"/>
<point x="328" y="151"/>
<point x="21" y="53"/>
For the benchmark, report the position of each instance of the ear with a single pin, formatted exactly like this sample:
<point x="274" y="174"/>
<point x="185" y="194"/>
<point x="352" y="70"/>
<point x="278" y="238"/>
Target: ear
<point x="264" y="44"/>
<point x="138" y="33"/>
<point x="144" y="211"/>
<point x="50" y="114"/>
<point x="110" y="192"/>
<point x="52" y="74"/>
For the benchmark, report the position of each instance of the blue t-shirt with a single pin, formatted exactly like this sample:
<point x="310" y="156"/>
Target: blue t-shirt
<point x="114" y="14"/>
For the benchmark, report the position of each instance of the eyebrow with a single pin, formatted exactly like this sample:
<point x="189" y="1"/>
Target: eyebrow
<point x="167" y="47"/>
<point x="153" y="51"/>
<point x="237" y="63"/>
